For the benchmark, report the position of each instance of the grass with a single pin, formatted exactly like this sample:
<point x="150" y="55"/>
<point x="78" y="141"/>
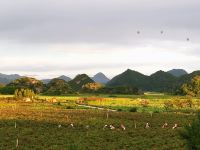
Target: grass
<point x="38" y="123"/>
<point x="37" y="128"/>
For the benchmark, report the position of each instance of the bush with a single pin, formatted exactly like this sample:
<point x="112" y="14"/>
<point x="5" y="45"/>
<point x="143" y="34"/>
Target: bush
<point x="133" y="109"/>
<point x="168" y="105"/>
<point x="188" y="102"/>
<point x="191" y="134"/>
<point x="119" y="109"/>
<point x="69" y="107"/>
<point x="144" y="102"/>
<point x="178" y="103"/>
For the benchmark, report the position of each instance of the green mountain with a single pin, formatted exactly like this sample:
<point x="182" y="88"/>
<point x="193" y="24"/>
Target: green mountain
<point x="79" y="81"/>
<point x="129" y="78"/>
<point x="27" y="83"/>
<point x="177" y="72"/>
<point x="58" y="87"/>
<point x="188" y="77"/>
<point x="161" y="82"/>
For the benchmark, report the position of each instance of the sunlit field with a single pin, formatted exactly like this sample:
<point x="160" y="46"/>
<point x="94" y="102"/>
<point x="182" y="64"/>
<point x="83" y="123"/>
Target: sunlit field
<point x="67" y="124"/>
<point x="47" y="126"/>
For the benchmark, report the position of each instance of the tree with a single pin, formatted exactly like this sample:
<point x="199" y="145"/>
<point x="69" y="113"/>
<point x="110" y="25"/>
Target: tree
<point x="192" y="88"/>
<point x="92" y="87"/>
<point x="191" y="134"/>
<point x="24" y="93"/>
<point x="58" y="87"/>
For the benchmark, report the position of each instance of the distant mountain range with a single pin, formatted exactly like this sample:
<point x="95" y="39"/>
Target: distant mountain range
<point x="63" y="77"/>
<point x="159" y="81"/>
<point x="177" y="72"/>
<point x="100" y="78"/>
<point x="5" y="79"/>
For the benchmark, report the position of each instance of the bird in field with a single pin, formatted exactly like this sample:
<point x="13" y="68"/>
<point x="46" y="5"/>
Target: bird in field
<point x="105" y="126"/>
<point x="72" y="125"/>
<point x="165" y="125"/>
<point x="175" y="126"/>
<point x="147" y="125"/>
<point x="112" y="127"/>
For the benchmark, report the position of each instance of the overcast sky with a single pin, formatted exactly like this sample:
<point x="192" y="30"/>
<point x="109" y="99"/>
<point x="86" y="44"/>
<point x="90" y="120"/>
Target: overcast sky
<point x="47" y="38"/>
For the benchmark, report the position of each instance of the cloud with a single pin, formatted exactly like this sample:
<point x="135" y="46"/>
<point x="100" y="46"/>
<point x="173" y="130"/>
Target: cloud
<point x="114" y="21"/>
<point x="48" y="37"/>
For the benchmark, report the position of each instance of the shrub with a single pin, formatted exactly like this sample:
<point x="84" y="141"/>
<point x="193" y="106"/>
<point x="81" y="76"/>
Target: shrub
<point x="191" y="134"/>
<point x="69" y="107"/>
<point x="133" y="109"/>
<point x="24" y="93"/>
<point x="188" y="102"/>
<point x="168" y="104"/>
<point x="144" y="102"/>
<point x="119" y="109"/>
<point x="178" y="103"/>
<point x="59" y="103"/>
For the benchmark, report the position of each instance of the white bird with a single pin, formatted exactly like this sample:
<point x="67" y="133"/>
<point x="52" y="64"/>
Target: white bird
<point x="175" y="126"/>
<point x="147" y="125"/>
<point x="165" y="125"/>
<point x="72" y="125"/>
<point x="112" y="127"/>
<point x="59" y="126"/>
<point x="105" y="127"/>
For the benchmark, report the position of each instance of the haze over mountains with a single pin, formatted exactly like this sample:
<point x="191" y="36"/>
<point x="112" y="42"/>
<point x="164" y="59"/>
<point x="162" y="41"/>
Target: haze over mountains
<point x="177" y="72"/>
<point x="5" y="79"/>
<point x="100" y="78"/>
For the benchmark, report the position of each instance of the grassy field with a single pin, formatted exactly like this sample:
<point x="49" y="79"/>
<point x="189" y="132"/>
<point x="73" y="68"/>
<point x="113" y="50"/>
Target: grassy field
<point x="126" y="102"/>
<point x="45" y="125"/>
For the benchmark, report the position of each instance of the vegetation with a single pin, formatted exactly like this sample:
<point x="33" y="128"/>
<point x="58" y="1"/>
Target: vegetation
<point x="191" y="134"/>
<point x="120" y="90"/>
<point x="44" y="125"/>
<point x="24" y="93"/>
<point x="58" y="87"/>
<point x="158" y="82"/>
<point x="27" y="83"/>
<point x="92" y="87"/>
<point x="193" y="87"/>
<point x="79" y="81"/>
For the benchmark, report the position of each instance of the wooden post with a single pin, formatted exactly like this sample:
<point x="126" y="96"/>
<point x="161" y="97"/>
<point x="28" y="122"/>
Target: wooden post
<point x="17" y="143"/>
<point x="107" y="115"/>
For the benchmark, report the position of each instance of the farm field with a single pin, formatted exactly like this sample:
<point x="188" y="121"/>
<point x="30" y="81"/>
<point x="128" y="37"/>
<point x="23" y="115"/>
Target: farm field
<point x="46" y="125"/>
<point x="126" y="102"/>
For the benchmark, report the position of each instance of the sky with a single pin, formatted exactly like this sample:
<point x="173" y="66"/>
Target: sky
<point x="48" y="38"/>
